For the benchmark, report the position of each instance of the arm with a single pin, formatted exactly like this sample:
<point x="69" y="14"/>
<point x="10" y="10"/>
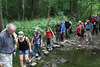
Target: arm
<point x="16" y="43"/>
<point x="44" y="32"/>
<point x="32" y="40"/>
<point x="28" y="41"/>
<point x="52" y="33"/>
<point x="55" y="30"/>
<point x="41" y="42"/>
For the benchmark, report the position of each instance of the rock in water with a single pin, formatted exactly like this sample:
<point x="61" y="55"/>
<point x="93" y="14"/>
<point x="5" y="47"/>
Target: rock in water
<point x="33" y="64"/>
<point x="56" y="46"/>
<point x="36" y="55"/>
<point x="50" y="49"/>
<point x="46" y="52"/>
<point x="38" y="58"/>
<point x="63" y="60"/>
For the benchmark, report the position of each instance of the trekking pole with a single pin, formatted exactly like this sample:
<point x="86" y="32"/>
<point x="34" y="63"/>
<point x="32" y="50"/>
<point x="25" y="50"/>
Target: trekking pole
<point x="49" y="21"/>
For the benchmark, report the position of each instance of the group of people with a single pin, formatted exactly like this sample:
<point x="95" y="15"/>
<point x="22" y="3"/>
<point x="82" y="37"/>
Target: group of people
<point x="9" y="42"/>
<point x="90" y="26"/>
<point x="61" y="28"/>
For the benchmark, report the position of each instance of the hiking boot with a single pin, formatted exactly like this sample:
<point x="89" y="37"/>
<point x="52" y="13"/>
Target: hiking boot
<point x="47" y="46"/>
<point x="28" y="63"/>
<point x="50" y="47"/>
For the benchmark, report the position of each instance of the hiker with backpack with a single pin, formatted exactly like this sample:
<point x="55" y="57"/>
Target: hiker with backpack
<point x="63" y="30"/>
<point x="24" y="47"/>
<point x="89" y="28"/>
<point x="58" y="31"/>
<point x="36" y="41"/>
<point x="95" y="26"/>
<point x="49" y="33"/>
<point x="68" y="28"/>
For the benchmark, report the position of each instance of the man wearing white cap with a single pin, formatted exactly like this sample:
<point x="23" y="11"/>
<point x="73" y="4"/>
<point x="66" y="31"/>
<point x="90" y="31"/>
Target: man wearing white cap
<point x="89" y="28"/>
<point x="37" y="37"/>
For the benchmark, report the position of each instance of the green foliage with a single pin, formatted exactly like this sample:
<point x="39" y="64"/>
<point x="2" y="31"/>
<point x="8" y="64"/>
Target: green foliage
<point x="12" y="9"/>
<point x="28" y="27"/>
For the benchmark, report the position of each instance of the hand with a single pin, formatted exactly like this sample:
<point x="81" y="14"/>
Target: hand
<point x="1" y="64"/>
<point x="15" y="40"/>
<point x="30" y="50"/>
<point x="14" y="53"/>
<point x="41" y="45"/>
<point x="54" y="36"/>
<point x="61" y="32"/>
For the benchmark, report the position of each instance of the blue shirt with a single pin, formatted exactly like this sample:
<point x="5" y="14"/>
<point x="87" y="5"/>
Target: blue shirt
<point x="63" y="27"/>
<point x="88" y="26"/>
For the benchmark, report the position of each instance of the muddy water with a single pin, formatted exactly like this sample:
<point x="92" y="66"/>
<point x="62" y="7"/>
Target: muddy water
<point x="62" y="57"/>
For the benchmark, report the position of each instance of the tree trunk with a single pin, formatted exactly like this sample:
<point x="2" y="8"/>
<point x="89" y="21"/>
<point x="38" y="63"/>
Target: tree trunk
<point x="70" y="6"/>
<point x="75" y="6"/>
<point x="6" y="9"/>
<point x="23" y="7"/>
<point x="48" y="9"/>
<point x="1" y="22"/>
<point x="32" y="8"/>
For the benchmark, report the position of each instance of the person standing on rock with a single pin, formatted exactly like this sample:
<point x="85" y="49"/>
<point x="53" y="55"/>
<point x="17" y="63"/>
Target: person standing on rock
<point x="37" y="38"/>
<point x="58" y="31"/>
<point x="78" y="31"/>
<point x="24" y="47"/>
<point x="63" y="30"/>
<point x="68" y="27"/>
<point x="95" y="26"/>
<point x="49" y="33"/>
<point x="89" y="28"/>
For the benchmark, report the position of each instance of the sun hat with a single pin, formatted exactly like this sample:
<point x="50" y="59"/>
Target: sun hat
<point x="20" y="34"/>
<point x="37" y="28"/>
<point x="79" y="21"/>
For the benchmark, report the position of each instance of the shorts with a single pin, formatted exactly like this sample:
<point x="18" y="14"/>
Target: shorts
<point x="78" y="34"/>
<point x="21" y="52"/>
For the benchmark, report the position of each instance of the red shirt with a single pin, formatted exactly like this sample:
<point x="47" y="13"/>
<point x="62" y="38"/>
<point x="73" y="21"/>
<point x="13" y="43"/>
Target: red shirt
<point x="49" y="35"/>
<point x="78" y="30"/>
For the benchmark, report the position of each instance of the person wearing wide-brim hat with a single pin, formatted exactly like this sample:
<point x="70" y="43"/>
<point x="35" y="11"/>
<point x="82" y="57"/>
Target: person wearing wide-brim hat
<point x="24" y="47"/>
<point x="37" y="38"/>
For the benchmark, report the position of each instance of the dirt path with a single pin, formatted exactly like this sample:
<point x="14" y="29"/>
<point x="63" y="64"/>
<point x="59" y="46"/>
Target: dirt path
<point x="94" y="44"/>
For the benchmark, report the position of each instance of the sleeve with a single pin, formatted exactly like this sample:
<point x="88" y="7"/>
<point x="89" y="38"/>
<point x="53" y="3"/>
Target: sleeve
<point x="92" y="25"/>
<point x="1" y="42"/>
<point x="41" y="36"/>
<point x="0" y="59"/>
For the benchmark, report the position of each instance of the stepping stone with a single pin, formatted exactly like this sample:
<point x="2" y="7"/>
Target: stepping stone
<point x="73" y="43"/>
<point x="46" y="52"/>
<point x="56" y="46"/>
<point x="50" y="49"/>
<point x="72" y="40"/>
<point x="44" y="47"/>
<point x="24" y="66"/>
<point x="33" y="59"/>
<point x="36" y="55"/>
<point x="38" y="58"/>
<point x="33" y="64"/>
